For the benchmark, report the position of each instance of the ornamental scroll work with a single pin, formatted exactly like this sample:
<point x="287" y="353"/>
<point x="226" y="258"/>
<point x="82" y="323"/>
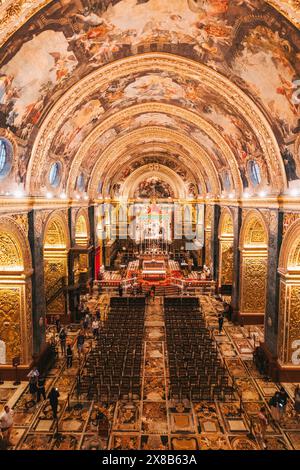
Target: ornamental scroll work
<point x="9" y="252"/>
<point x="254" y="285"/>
<point x="227" y="264"/>
<point x="10" y="321"/>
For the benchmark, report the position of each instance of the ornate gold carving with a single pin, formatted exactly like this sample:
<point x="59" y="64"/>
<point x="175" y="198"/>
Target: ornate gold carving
<point x="10" y="252"/>
<point x="254" y="278"/>
<point x="227" y="263"/>
<point x="10" y="321"/>
<point x="294" y="322"/>
<point x="288" y="219"/>
<point x="54" y="272"/>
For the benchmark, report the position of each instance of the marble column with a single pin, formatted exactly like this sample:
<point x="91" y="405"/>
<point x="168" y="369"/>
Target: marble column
<point x="215" y="241"/>
<point x="36" y="219"/>
<point x="275" y="219"/>
<point x="237" y="223"/>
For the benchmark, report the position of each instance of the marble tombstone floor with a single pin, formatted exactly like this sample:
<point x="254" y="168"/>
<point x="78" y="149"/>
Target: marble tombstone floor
<point x="154" y="422"/>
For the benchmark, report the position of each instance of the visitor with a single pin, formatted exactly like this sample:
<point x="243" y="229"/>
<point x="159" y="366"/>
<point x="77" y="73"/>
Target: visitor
<point x="57" y="323"/>
<point x="69" y="356"/>
<point x="282" y="402"/>
<point x="120" y="290"/>
<point x="80" y="343"/>
<point x="220" y="322"/>
<point x="41" y="388"/>
<point x="263" y="424"/>
<point x="33" y="378"/>
<point x="53" y="398"/>
<point x="6" y="422"/>
<point x="95" y="328"/>
<point x="274" y="406"/>
<point x="63" y="341"/>
<point x="86" y="323"/>
<point x="98" y="315"/>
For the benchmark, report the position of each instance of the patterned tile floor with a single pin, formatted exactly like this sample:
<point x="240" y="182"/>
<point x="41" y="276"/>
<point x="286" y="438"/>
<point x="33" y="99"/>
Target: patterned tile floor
<point x="155" y="422"/>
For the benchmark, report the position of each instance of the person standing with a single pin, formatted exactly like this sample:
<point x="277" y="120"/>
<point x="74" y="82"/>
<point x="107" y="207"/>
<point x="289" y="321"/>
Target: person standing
<point x="80" y="343"/>
<point x="282" y="402"/>
<point x="274" y="406"/>
<point x="53" y="398"/>
<point x="57" y="323"/>
<point x="6" y="422"/>
<point x="33" y="378"/>
<point x="263" y="424"/>
<point x="41" y="388"/>
<point x="69" y="357"/>
<point x="220" y="322"/>
<point x="63" y="341"/>
<point x="120" y="290"/>
<point x="95" y="328"/>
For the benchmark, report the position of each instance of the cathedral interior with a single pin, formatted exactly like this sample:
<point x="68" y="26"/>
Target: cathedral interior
<point x="150" y="223"/>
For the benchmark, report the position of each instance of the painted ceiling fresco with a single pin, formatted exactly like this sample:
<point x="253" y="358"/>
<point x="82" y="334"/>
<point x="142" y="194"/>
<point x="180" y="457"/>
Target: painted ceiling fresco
<point x="248" y="42"/>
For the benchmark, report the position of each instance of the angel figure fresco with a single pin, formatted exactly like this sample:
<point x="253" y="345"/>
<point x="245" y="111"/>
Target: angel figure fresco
<point x="62" y="64"/>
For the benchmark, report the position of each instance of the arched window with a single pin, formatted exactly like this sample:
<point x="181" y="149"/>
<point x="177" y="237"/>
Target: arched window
<point x="254" y="172"/>
<point x="5" y="157"/>
<point x="55" y="174"/>
<point x="80" y="184"/>
<point x="226" y="180"/>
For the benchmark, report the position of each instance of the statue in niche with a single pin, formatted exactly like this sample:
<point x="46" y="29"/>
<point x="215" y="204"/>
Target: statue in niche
<point x="2" y="352"/>
<point x="289" y="164"/>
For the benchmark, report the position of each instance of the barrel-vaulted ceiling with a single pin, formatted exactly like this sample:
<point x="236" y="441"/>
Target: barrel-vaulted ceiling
<point x="197" y="92"/>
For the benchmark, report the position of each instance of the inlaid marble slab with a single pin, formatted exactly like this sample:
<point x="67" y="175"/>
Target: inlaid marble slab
<point x="154" y="442"/>
<point x="127" y="416"/>
<point x="124" y="442"/>
<point x="182" y="422"/>
<point x="154" y="388"/>
<point x="184" y="443"/>
<point x="154" y="418"/>
<point x="213" y="441"/>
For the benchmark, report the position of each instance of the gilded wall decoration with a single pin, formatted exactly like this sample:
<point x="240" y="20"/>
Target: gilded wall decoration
<point x="282" y="320"/>
<point x="227" y="263"/>
<point x="10" y="321"/>
<point x="10" y="252"/>
<point x="208" y="259"/>
<point x="294" y="318"/>
<point x="288" y="219"/>
<point x="55" y="271"/>
<point x="254" y="278"/>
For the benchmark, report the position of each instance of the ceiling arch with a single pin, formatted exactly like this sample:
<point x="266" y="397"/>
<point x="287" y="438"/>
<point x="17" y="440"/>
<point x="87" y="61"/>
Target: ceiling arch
<point x="153" y="134"/>
<point x="171" y="110"/>
<point x="210" y="79"/>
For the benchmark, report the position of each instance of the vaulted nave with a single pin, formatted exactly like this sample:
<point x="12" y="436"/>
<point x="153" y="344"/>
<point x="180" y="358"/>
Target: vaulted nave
<point x="149" y="225"/>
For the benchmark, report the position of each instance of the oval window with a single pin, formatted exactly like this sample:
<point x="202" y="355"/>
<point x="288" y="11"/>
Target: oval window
<point x="80" y="182"/>
<point x="6" y="154"/>
<point x="254" y="172"/>
<point x="55" y="174"/>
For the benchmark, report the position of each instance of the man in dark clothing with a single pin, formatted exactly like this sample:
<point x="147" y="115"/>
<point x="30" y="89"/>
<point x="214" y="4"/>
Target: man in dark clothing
<point x="41" y="389"/>
<point x="120" y="290"/>
<point x="53" y="398"/>
<point x="80" y="343"/>
<point x="220" y="321"/>
<point x="282" y="401"/>
<point x="63" y="339"/>
<point x="57" y="323"/>
<point x="69" y="357"/>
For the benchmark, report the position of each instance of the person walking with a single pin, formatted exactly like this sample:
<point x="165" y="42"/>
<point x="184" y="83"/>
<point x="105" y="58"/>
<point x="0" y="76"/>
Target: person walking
<point x="80" y="343"/>
<point x="63" y="341"/>
<point x="263" y="424"/>
<point x="95" y="328"/>
<point x="86" y="323"/>
<point x="6" y="422"/>
<point x="41" y="389"/>
<point x="220" y="322"/>
<point x="53" y="399"/>
<point x="69" y="357"/>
